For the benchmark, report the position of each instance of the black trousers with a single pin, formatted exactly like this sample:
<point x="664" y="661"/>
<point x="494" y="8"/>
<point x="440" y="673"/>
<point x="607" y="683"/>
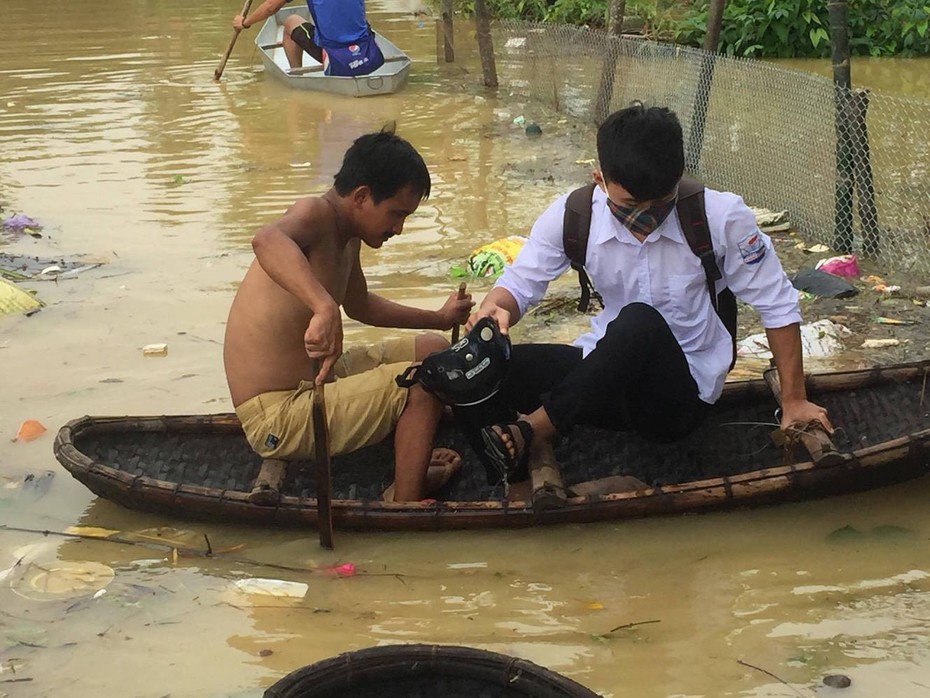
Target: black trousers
<point x="635" y="379"/>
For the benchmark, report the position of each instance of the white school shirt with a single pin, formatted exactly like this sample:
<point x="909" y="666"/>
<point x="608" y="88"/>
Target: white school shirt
<point x="663" y="272"/>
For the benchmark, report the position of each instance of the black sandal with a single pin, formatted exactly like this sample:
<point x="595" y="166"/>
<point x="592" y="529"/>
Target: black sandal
<point x="496" y="450"/>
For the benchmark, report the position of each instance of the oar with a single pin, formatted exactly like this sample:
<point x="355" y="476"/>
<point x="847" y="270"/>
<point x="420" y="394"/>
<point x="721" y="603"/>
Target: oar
<point x="232" y="42"/>
<point x="456" y="328"/>
<point x="324" y="485"/>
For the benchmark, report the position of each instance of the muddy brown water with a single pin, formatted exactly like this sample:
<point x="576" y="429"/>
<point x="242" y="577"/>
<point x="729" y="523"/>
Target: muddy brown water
<point x="114" y="135"/>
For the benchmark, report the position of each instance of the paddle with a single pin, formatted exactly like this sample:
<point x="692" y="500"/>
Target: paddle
<point x="324" y="483"/>
<point x="456" y="328"/>
<point x="232" y="42"/>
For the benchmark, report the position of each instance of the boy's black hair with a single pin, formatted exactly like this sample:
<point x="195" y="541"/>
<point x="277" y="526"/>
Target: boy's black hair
<point x="642" y="149"/>
<point x="384" y="162"/>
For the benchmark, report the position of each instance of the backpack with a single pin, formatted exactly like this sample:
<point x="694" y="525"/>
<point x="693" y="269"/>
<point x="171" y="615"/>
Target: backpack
<point x="576" y="226"/>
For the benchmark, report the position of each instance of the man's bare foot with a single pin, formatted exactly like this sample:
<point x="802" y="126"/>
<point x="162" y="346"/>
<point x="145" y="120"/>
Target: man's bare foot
<point x="443" y="466"/>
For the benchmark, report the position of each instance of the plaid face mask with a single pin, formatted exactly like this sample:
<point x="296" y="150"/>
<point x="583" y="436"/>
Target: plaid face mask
<point x="643" y="220"/>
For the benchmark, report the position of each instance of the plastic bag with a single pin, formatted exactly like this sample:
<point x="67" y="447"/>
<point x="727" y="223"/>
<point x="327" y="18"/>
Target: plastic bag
<point x="845" y="265"/>
<point x="489" y="260"/>
<point x="818" y="340"/>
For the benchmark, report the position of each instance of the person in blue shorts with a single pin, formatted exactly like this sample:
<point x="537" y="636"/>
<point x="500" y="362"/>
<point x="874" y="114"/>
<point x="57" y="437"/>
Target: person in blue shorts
<point x="339" y="36"/>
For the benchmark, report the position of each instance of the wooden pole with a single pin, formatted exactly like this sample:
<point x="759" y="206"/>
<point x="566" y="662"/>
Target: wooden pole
<point x="548" y="489"/>
<point x="324" y="485"/>
<point x="714" y="22"/>
<point x="705" y="82"/>
<point x="232" y="42"/>
<point x="448" y="31"/>
<point x="605" y="90"/>
<point x="843" y="206"/>
<point x="485" y="43"/>
<point x="456" y="328"/>
<point x="862" y="162"/>
<point x="814" y="438"/>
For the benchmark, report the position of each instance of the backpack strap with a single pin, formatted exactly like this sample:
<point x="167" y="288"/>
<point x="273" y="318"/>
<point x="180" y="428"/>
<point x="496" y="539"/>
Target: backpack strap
<point x="576" y="227"/>
<point x="693" y="219"/>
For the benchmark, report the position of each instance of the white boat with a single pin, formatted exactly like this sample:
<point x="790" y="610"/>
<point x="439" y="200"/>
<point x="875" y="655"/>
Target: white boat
<point x="389" y="78"/>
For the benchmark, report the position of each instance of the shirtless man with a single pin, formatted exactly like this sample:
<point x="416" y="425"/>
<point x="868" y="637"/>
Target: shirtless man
<point x="286" y="319"/>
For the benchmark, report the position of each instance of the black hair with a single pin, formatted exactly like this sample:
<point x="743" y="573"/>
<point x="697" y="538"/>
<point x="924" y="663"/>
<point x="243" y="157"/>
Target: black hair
<point x="384" y="162"/>
<point x="642" y="149"/>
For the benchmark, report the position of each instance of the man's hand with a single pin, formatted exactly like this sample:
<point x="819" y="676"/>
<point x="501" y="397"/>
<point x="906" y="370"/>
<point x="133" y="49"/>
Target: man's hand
<point x="237" y="23"/>
<point x="795" y="412"/>
<point x="501" y="317"/>
<point x="323" y="340"/>
<point x="455" y="310"/>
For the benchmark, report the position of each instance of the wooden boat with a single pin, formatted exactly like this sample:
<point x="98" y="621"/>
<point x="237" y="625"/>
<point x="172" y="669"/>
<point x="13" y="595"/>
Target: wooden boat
<point x="201" y="466"/>
<point x="387" y="79"/>
<point x="426" y="670"/>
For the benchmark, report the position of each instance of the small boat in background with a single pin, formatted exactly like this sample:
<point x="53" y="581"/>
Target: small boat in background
<point x="201" y="466"/>
<point x="387" y="79"/>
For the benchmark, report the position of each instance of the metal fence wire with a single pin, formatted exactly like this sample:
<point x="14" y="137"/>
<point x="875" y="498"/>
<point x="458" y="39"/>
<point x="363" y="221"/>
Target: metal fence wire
<point x="851" y="168"/>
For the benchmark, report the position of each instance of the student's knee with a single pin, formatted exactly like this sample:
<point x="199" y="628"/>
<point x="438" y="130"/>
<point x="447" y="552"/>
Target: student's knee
<point x="638" y="318"/>
<point x="428" y="343"/>
<point x="291" y="23"/>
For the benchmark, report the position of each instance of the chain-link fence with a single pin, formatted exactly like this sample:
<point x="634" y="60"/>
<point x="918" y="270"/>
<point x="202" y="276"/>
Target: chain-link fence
<point x="765" y="132"/>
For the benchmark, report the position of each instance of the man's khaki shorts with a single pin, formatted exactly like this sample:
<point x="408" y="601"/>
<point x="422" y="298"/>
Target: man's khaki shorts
<point x="363" y="405"/>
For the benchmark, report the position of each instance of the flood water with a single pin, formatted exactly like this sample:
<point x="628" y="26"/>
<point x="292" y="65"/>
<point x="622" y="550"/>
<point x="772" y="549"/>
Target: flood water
<point x="115" y="136"/>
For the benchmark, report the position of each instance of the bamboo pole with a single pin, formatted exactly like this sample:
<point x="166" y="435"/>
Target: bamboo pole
<point x="485" y="43"/>
<point x="456" y="328"/>
<point x="324" y="485"/>
<point x="605" y="91"/>
<point x="843" y="204"/>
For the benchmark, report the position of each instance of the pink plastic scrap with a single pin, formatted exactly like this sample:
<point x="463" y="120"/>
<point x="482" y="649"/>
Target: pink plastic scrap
<point x="346" y="570"/>
<point x="20" y="222"/>
<point x="845" y="265"/>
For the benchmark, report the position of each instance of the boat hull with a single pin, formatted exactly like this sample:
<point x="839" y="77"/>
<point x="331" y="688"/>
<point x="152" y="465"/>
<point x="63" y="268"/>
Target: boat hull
<point x="201" y="466"/>
<point x="387" y="79"/>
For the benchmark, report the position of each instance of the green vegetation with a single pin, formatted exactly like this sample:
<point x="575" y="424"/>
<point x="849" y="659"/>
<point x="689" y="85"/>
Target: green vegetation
<point x="758" y="28"/>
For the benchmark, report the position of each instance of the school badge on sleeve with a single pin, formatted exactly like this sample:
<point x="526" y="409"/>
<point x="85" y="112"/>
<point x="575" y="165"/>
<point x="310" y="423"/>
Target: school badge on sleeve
<point x="752" y="248"/>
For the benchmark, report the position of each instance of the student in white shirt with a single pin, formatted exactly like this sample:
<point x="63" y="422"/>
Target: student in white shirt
<point x="658" y="354"/>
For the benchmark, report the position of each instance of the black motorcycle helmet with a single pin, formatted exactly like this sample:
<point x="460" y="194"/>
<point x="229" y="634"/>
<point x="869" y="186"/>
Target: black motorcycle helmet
<point x="467" y="373"/>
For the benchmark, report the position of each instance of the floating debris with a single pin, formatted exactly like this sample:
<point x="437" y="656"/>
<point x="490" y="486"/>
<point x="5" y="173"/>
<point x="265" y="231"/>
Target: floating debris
<point x="15" y="300"/>
<point x="30" y="430"/>
<point x="155" y="349"/>
<point x="63" y="579"/>
<point x="21" y="223"/>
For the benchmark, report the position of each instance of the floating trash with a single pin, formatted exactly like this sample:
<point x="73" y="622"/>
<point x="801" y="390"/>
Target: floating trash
<point x="30" y="430"/>
<point x="155" y="349"/>
<point x="272" y="587"/>
<point x="62" y="579"/>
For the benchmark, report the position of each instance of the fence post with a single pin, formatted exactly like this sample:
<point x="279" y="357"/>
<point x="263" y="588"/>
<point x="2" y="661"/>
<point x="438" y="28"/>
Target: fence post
<point x="865" y="189"/>
<point x="842" y="208"/>
<point x="446" y="29"/>
<point x="485" y="43"/>
<point x="714" y="22"/>
<point x="605" y="90"/>
<point x="705" y="80"/>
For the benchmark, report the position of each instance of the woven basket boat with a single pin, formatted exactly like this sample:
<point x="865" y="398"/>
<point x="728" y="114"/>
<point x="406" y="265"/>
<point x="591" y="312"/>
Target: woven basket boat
<point x="202" y="467"/>
<point x="415" y="671"/>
